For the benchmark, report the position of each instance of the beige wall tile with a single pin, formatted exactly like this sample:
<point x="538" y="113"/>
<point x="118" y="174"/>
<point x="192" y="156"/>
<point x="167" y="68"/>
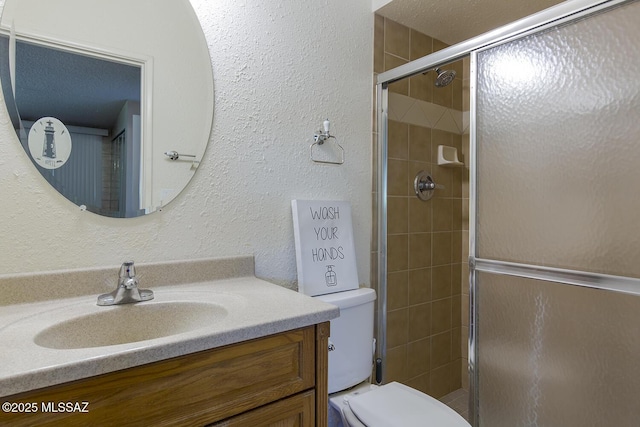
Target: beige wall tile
<point x="397" y="215"/>
<point x="421" y="45"/>
<point x="456" y="214"/>
<point x="397" y="39"/>
<point x="397" y="177"/>
<point x="418" y="357"/>
<point x="440" y="137"/>
<point x="441" y="244"/>
<point x="419" y="321"/>
<point x="456" y="181"/>
<point x="442" y="214"/>
<point x="419" y="286"/>
<point x="440" y="381"/>
<point x="465" y="311"/>
<point x="464" y="342"/>
<point x="438" y="45"/>
<point x="397" y="290"/>
<point x="464" y="373"/>
<point x="440" y="282"/>
<point x="397" y="252"/>
<point x="456" y="374"/>
<point x="398" y="140"/>
<point x="396" y="366"/>
<point x="442" y="176"/>
<point x="456" y="94"/>
<point x="456" y="250"/>
<point x="421" y="87"/>
<point x="456" y="277"/>
<point x="419" y="250"/>
<point x="440" y="316"/>
<point x="465" y="214"/>
<point x="401" y="86"/>
<point x="378" y="44"/>
<point x="456" y="313"/>
<point x="455" y="344"/>
<point x="422" y="383"/>
<point x="393" y="61"/>
<point x="443" y="96"/>
<point x="420" y="143"/>
<point x="397" y="327"/>
<point x="420" y="215"/>
<point x="458" y="67"/>
<point x="440" y="350"/>
<point x="464" y="278"/>
<point x="456" y="140"/>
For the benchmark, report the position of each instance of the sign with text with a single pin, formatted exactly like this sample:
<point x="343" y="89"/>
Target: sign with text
<point x="325" y="251"/>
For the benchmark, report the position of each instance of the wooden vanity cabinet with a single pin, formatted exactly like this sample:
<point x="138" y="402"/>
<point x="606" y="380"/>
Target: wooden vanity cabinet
<point x="278" y="380"/>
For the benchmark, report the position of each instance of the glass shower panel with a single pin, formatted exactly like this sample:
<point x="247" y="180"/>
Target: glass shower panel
<point x="556" y="355"/>
<point x="558" y="140"/>
<point x="558" y="176"/>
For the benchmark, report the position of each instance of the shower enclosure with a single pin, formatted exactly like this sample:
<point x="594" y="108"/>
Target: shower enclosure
<point x="554" y="230"/>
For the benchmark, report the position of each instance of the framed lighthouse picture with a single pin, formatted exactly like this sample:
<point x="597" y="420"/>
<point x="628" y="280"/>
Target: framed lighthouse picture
<point x="325" y="250"/>
<point x="49" y="142"/>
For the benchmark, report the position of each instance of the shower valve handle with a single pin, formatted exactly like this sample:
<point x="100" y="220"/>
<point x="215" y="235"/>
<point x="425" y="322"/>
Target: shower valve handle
<point x="424" y="186"/>
<point x="429" y="185"/>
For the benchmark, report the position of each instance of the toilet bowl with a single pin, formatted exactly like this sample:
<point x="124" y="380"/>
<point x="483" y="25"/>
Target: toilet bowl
<point x="358" y="402"/>
<point x="393" y="405"/>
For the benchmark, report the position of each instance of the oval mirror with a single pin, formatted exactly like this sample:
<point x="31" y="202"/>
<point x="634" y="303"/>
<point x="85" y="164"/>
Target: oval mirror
<point x="112" y="100"/>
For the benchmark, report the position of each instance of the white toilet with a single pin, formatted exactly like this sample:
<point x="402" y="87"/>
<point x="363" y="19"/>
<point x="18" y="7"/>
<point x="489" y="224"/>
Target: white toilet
<point x="350" y="364"/>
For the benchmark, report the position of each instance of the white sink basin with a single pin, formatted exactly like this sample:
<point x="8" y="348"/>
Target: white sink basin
<point x="129" y="323"/>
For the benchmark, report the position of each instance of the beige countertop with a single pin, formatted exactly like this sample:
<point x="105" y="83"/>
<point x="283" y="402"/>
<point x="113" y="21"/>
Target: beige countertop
<point x="250" y="308"/>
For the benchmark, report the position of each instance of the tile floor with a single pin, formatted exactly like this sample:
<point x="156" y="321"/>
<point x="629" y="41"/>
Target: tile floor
<point x="458" y="401"/>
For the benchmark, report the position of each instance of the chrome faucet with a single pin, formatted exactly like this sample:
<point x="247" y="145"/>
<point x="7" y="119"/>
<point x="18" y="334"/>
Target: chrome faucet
<point x="127" y="291"/>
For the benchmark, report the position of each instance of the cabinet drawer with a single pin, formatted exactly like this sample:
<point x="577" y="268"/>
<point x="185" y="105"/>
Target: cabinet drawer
<point x="195" y="389"/>
<point x="296" y="411"/>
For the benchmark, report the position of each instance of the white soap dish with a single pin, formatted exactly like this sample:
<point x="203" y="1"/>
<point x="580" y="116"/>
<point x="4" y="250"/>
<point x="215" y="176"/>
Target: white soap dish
<point x="448" y="156"/>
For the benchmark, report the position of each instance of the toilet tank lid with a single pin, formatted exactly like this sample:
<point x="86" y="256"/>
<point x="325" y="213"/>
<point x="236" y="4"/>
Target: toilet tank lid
<point x="348" y="299"/>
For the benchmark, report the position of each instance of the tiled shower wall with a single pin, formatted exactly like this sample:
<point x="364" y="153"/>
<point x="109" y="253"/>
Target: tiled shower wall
<point x="427" y="242"/>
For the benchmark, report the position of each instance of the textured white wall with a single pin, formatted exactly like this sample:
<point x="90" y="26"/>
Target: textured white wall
<point x="280" y="68"/>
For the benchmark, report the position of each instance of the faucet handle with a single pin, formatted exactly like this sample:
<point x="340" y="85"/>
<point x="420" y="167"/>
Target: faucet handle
<point x="127" y="290"/>
<point x="127" y="270"/>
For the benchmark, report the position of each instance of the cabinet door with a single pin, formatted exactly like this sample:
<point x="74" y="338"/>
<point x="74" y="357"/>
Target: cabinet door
<point x="295" y="411"/>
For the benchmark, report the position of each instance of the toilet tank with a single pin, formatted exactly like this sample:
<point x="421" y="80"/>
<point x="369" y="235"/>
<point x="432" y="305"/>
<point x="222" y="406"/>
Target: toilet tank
<point x="351" y="340"/>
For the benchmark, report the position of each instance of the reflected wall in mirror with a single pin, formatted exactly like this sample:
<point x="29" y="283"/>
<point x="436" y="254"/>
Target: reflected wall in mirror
<point x="128" y="79"/>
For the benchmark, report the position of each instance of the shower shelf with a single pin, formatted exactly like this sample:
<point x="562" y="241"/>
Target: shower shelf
<point x="448" y="157"/>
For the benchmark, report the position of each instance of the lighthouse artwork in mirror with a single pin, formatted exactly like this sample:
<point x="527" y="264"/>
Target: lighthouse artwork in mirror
<point x="49" y="143"/>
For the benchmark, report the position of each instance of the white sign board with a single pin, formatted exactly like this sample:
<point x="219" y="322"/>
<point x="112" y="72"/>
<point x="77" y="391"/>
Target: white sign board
<point x="325" y="251"/>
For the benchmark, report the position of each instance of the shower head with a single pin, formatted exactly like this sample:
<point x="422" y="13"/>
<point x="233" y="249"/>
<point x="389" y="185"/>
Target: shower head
<point x="445" y="77"/>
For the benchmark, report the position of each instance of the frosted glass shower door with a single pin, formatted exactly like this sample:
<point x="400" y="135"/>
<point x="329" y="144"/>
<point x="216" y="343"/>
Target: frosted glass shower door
<point x="556" y="262"/>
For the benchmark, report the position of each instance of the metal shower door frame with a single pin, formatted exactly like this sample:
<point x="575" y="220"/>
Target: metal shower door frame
<point x="562" y="13"/>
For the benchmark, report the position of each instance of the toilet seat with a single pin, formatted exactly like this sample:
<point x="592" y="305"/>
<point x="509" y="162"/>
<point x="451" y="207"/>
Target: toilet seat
<point x="396" y="404"/>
